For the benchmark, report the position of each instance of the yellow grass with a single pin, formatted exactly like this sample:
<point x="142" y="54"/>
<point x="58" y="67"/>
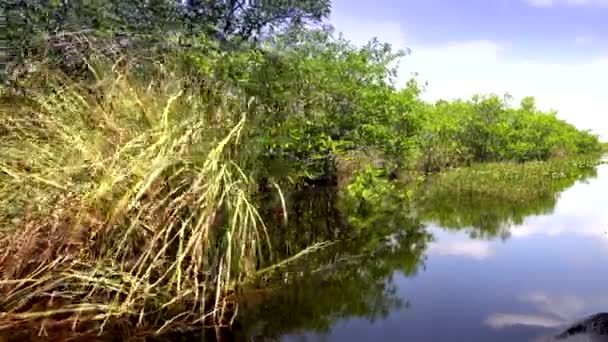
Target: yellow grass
<point x="128" y="201"/>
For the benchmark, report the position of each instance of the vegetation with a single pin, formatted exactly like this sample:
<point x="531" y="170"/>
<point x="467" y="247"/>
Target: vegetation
<point x="237" y="17"/>
<point x="348" y="278"/>
<point x="353" y="278"/>
<point x="125" y="208"/>
<point x="37" y="26"/>
<point x="143" y="180"/>
<point x="486" y="129"/>
<point x="488" y="199"/>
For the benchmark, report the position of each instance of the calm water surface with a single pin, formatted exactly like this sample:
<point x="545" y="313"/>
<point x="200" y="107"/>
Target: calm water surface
<point x="519" y="282"/>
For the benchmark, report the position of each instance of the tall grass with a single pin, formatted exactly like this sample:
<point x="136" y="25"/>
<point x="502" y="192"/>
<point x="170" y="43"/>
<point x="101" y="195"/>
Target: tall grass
<point x="512" y="182"/>
<point x="124" y="199"/>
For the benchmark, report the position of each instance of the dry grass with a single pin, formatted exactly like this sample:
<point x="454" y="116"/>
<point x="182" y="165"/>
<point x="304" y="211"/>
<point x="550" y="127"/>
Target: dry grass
<point x="131" y="204"/>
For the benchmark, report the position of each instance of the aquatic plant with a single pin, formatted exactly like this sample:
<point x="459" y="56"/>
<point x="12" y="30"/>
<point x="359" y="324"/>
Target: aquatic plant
<point x="488" y="198"/>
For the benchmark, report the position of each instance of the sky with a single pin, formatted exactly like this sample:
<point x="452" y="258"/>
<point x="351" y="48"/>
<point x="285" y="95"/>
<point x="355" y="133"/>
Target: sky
<point x="554" y="50"/>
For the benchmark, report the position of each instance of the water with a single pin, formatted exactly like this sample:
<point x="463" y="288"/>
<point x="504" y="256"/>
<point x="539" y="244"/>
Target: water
<point x="444" y="268"/>
<point x="510" y="277"/>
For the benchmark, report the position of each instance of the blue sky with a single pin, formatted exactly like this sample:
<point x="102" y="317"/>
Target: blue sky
<point x="555" y="50"/>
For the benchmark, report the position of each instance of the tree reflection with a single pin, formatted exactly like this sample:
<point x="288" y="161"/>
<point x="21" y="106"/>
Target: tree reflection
<point x="486" y="217"/>
<point x="375" y="237"/>
<point x="352" y="278"/>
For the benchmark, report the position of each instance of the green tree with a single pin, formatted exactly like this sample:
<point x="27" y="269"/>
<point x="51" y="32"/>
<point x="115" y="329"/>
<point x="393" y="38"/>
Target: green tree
<point x="528" y="104"/>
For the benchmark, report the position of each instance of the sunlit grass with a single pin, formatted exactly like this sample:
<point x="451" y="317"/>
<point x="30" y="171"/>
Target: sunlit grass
<point x="132" y="203"/>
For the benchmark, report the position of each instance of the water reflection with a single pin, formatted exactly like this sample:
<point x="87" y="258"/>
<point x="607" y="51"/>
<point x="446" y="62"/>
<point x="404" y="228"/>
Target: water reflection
<point x="480" y="270"/>
<point x="487" y="218"/>
<point x="556" y="312"/>
<point x="346" y="280"/>
<point x="358" y="287"/>
<point x="549" y="274"/>
<point x="550" y="311"/>
<point x="500" y="320"/>
<point x="471" y="249"/>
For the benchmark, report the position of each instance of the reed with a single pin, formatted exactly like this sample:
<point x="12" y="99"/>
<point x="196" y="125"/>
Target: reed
<point x="512" y="182"/>
<point x="124" y="199"/>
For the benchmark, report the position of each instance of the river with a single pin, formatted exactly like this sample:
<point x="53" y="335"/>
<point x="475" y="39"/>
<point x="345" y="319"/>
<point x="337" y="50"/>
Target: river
<point x="519" y="284"/>
<point x="483" y="272"/>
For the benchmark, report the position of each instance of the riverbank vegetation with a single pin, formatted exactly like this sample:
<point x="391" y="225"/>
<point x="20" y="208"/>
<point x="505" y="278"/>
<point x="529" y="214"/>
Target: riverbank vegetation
<point x="142" y="175"/>
<point x="488" y="199"/>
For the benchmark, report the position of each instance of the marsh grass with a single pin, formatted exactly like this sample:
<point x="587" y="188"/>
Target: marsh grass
<point x="123" y="199"/>
<point x="512" y="182"/>
<point x="488" y="200"/>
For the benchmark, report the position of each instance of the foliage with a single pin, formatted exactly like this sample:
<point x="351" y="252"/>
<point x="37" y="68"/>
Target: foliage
<point x="488" y="199"/>
<point x="322" y="98"/>
<point x="230" y="17"/>
<point x="125" y="205"/>
<point x="373" y="201"/>
<point x="335" y="97"/>
<point x="249" y="19"/>
<point x="353" y="276"/>
<point x="487" y="129"/>
<point x="33" y="20"/>
<point x="66" y="32"/>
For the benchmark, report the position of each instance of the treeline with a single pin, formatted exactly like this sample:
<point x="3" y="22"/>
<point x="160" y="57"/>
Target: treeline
<point x="323" y="96"/>
<point x="486" y="128"/>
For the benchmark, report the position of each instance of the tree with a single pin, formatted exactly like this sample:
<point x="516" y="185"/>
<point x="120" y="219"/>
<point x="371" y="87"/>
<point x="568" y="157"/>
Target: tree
<point x="528" y="104"/>
<point x="250" y="19"/>
<point x="37" y="28"/>
<point x="246" y="19"/>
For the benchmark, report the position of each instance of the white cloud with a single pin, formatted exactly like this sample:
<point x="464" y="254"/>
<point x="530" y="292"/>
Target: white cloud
<point x="474" y="249"/>
<point x="566" y="308"/>
<point x="502" y="320"/>
<point x="580" y="211"/>
<point x="465" y="68"/>
<point x="554" y="310"/>
<point x="572" y="225"/>
<point x="587" y="2"/>
<point x="461" y="69"/>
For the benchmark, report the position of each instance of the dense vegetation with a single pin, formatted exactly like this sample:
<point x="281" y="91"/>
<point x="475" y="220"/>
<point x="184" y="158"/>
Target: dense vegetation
<point x="138" y="174"/>
<point x="488" y="199"/>
<point x="354" y="278"/>
<point x="486" y="129"/>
